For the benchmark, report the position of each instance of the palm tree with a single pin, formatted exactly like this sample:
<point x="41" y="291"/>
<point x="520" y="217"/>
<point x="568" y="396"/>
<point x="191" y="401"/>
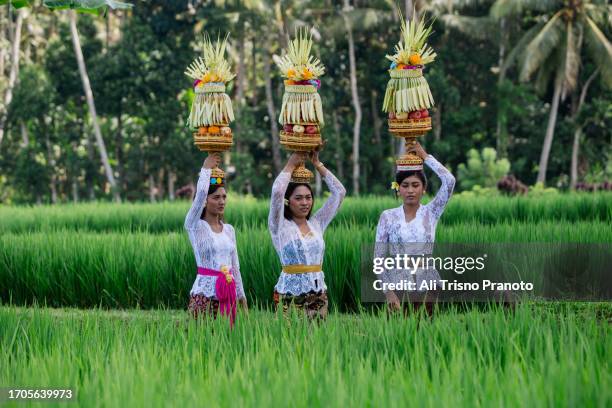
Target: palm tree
<point x="552" y="49"/>
<point x="479" y="28"/>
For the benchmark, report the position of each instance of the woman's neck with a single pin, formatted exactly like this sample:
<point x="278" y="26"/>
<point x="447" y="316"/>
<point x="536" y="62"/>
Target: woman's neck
<point x="212" y="219"/>
<point x="300" y="221"/>
<point x="411" y="208"/>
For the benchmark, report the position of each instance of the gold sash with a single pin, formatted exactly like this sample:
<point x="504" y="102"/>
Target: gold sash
<point x="299" y="268"/>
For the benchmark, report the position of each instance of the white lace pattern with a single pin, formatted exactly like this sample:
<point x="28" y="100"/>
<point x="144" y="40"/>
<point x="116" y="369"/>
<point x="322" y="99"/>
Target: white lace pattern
<point x="212" y="250"/>
<point x="294" y="248"/>
<point x="393" y="230"/>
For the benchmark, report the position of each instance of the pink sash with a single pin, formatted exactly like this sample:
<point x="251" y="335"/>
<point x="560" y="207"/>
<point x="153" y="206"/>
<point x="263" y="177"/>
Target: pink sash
<point x="225" y="292"/>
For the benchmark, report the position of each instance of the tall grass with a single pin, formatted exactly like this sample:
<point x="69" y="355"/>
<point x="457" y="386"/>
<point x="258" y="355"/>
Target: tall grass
<point x="158" y="359"/>
<point x="69" y="268"/>
<point x="244" y="212"/>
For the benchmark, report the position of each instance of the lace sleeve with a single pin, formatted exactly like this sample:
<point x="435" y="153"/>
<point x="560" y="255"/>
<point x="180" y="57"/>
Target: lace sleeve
<point x="236" y="267"/>
<point x="382" y="243"/>
<point x="329" y="209"/>
<point x="438" y="204"/>
<point x="191" y="220"/>
<point x="277" y="203"/>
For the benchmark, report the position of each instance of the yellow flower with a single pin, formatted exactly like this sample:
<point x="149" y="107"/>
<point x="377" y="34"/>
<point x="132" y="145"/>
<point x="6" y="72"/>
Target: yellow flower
<point x="228" y="276"/>
<point x="395" y="186"/>
<point x="415" y="59"/>
<point x="206" y="78"/>
<point x="306" y="74"/>
<point x="291" y="73"/>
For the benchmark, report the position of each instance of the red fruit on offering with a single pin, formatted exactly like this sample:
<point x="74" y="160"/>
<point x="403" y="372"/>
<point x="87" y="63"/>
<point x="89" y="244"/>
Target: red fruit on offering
<point x="416" y="115"/>
<point x="391" y="115"/>
<point x="424" y="113"/>
<point x="311" y="129"/>
<point x="411" y="115"/>
<point x="288" y="128"/>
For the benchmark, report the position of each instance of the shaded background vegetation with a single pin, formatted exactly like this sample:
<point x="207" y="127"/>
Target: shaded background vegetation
<point x="492" y="89"/>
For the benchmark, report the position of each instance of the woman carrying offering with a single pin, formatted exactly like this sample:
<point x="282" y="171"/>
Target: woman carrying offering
<point x="298" y="238"/>
<point x="218" y="282"/>
<point x="412" y="226"/>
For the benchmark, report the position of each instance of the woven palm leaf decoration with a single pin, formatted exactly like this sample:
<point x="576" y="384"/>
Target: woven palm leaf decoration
<point x="210" y="72"/>
<point x="301" y="101"/>
<point x="408" y="90"/>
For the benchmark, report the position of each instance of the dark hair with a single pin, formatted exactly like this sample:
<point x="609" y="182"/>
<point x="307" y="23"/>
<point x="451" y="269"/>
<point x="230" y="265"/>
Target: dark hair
<point x="290" y="189"/>
<point x="403" y="175"/>
<point x="211" y="190"/>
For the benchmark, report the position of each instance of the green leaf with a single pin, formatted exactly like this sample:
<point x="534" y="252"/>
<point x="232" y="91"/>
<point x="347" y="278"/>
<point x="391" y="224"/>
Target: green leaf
<point x="545" y="42"/>
<point x="17" y="3"/>
<point x="519" y="48"/>
<point x="86" y="6"/>
<point x="600" y="50"/>
<point x="505" y="8"/>
<point x="571" y="60"/>
<point x="481" y="28"/>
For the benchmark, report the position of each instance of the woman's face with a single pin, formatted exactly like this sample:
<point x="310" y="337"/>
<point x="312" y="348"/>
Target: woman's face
<point x="411" y="190"/>
<point x="300" y="202"/>
<point x="215" y="202"/>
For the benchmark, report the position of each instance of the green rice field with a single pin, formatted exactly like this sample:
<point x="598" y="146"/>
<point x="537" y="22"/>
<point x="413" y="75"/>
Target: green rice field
<point x="534" y="357"/>
<point x="93" y="297"/>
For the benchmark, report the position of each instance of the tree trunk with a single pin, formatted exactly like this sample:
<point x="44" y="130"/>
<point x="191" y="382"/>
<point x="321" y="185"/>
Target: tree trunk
<point x="75" y="190"/>
<point x="160" y="182"/>
<point x="89" y="174"/>
<point x="575" y="152"/>
<point x="355" y="97"/>
<point x="502" y="117"/>
<point x="171" y="181"/>
<point x="338" y="154"/>
<point x="437" y="122"/>
<point x="8" y="94"/>
<point x="254" y="99"/>
<point x="119" y="152"/>
<point x="92" y="107"/>
<point x="578" y="131"/>
<point x="25" y="138"/>
<point x="51" y="162"/>
<point x="279" y="18"/>
<point x="376" y="122"/>
<point x="151" y="188"/>
<point x="240" y="76"/>
<point x="276" y="156"/>
<point x="550" y="133"/>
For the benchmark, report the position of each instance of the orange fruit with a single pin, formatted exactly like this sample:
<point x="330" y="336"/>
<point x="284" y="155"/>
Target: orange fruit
<point x="415" y="59"/>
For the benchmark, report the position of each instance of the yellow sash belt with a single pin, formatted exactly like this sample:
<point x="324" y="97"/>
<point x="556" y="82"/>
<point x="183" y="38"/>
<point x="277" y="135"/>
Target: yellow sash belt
<point x="299" y="268"/>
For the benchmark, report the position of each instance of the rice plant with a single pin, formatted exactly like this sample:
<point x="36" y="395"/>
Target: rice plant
<point x="534" y="357"/>
<point x="67" y="268"/>
<point x="247" y="212"/>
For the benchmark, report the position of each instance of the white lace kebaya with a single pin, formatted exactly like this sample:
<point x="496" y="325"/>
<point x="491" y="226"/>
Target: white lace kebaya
<point x="294" y="248"/>
<point x="394" y="235"/>
<point x="212" y="250"/>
